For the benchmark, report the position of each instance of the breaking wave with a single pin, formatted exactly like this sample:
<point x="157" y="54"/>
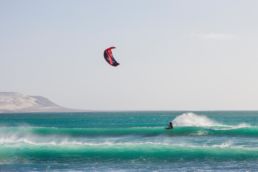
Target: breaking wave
<point x="125" y="151"/>
<point x="192" y="119"/>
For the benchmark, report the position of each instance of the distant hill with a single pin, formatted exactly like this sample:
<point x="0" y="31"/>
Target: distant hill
<point x="17" y="102"/>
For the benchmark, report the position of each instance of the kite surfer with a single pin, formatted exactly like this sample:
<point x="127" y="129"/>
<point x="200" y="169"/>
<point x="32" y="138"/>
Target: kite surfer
<point x="170" y="125"/>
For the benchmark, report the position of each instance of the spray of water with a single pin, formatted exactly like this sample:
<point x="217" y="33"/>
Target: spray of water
<point x="192" y="119"/>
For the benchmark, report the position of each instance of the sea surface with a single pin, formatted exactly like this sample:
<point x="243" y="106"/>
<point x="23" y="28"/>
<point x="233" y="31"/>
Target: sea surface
<point x="129" y="141"/>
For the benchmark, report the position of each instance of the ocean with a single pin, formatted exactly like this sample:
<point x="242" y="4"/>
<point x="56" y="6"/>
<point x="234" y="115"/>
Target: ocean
<point x="129" y="141"/>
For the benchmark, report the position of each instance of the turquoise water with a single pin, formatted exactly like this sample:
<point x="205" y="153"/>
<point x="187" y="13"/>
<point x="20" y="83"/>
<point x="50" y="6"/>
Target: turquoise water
<point x="129" y="141"/>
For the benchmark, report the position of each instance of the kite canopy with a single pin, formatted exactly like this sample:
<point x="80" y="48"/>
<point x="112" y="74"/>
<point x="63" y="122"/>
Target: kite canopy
<point x="109" y="56"/>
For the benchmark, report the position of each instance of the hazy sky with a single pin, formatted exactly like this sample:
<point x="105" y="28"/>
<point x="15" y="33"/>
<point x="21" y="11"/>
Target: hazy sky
<point x="174" y="54"/>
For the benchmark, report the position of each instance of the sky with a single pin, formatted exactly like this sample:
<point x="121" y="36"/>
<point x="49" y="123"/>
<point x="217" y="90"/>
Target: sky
<point x="173" y="54"/>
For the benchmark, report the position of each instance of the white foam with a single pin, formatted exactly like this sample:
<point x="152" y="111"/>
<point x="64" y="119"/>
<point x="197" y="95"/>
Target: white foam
<point x="192" y="119"/>
<point x="226" y="144"/>
<point x="242" y="125"/>
<point x="15" y="142"/>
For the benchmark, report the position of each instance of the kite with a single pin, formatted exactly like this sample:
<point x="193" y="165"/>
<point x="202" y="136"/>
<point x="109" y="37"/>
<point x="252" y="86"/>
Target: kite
<point x="109" y="57"/>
